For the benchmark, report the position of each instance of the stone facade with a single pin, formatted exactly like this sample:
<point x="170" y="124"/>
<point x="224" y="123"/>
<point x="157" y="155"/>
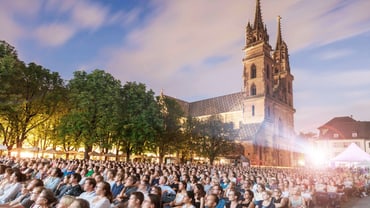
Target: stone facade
<point x="263" y="111"/>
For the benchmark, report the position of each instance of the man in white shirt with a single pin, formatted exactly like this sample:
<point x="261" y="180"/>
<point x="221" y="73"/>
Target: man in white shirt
<point x="89" y="187"/>
<point x="168" y="194"/>
<point x="12" y="189"/>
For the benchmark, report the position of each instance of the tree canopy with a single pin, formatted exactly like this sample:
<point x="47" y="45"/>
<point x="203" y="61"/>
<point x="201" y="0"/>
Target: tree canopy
<point x="29" y="95"/>
<point x="94" y="110"/>
<point x="214" y="138"/>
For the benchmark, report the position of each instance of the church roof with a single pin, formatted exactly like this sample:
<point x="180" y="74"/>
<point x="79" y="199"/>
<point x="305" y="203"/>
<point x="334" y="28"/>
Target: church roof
<point x="222" y="104"/>
<point x="217" y="105"/>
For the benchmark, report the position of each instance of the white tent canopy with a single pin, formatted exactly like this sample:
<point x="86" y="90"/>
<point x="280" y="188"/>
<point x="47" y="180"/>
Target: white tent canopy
<point x="353" y="153"/>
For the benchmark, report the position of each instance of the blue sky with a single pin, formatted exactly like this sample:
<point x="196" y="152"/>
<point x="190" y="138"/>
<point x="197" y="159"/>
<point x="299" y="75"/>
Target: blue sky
<point x="189" y="47"/>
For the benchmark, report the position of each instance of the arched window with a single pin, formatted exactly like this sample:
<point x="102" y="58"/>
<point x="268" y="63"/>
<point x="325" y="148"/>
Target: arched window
<point x="253" y="71"/>
<point x="253" y="90"/>
<point x="253" y="110"/>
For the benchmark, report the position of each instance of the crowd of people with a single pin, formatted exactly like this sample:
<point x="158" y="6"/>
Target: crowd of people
<point x="44" y="183"/>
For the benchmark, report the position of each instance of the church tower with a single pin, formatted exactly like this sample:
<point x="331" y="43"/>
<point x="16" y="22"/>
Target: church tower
<point x="268" y="93"/>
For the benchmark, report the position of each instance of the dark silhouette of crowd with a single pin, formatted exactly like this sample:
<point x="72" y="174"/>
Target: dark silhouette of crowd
<point x="44" y="183"/>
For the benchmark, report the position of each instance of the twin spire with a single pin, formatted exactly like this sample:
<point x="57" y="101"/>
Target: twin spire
<point x="279" y="39"/>
<point x="258" y="23"/>
<point x="259" y="31"/>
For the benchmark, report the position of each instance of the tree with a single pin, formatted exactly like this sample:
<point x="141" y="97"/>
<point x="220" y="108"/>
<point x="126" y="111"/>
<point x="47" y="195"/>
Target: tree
<point x="93" y="100"/>
<point x="190" y="141"/>
<point x="171" y="136"/>
<point x="214" y="138"/>
<point x="29" y="96"/>
<point x="140" y="121"/>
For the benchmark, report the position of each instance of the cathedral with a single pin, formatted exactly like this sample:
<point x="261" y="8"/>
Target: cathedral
<point x="263" y="111"/>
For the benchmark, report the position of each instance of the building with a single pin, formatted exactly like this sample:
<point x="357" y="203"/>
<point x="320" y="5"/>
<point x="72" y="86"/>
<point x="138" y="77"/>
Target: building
<point x="263" y="111"/>
<point x="338" y="133"/>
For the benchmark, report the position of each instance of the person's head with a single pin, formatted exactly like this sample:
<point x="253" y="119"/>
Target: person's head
<point x="304" y="187"/>
<point x="277" y="193"/>
<point x="156" y="190"/>
<point x="188" y="198"/>
<point x="199" y="190"/>
<point x="185" y="177"/>
<point x="233" y="195"/>
<point x="65" y="201"/>
<point x="57" y="172"/>
<point x="130" y="181"/>
<point x="182" y="185"/>
<point x="24" y="189"/>
<point x="36" y="191"/>
<point x="152" y="201"/>
<point x="89" y="184"/>
<point x="79" y="203"/>
<point x="248" y="194"/>
<point x="99" y="178"/>
<point x="207" y="180"/>
<point x="111" y="173"/>
<point x="175" y="178"/>
<point x="8" y="172"/>
<point x="136" y="199"/>
<point x="260" y="187"/>
<point x="216" y="190"/>
<point x="16" y="177"/>
<point x="46" y="198"/>
<point x="75" y="178"/>
<point x="211" y="201"/>
<point x="162" y="180"/>
<point x="266" y="195"/>
<point x="34" y="183"/>
<point x="118" y="178"/>
<point x="296" y="191"/>
<point x="103" y="189"/>
<point x="66" y="179"/>
<point x="247" y="184"/>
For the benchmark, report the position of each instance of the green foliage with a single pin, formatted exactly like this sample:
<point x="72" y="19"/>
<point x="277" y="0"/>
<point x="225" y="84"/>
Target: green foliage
<point x="171" y="137"/>
<point x="29" y="96"/>
<point x="140" y="118"/>
<point x="214" y="138"/>
<point x="93" y="110"/>
<point x="189" y="146"/>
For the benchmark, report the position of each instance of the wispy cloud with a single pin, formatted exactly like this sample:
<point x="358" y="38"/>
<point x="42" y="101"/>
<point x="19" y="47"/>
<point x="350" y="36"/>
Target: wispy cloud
<point x="12" y="30"/>
<point x="174" y="40"/>
<point x="335" y="54"/>
<point x="54" y="34"/>
<point x="324" y="95"/>
<point x="193" y="49"/>
<point x="89" y="15"/>
<point x="316" y="23"/>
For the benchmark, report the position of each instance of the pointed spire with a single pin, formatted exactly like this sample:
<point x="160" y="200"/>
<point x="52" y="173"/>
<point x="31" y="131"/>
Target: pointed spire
<point x="279" y="39"/>
<point x="258" y="23"/>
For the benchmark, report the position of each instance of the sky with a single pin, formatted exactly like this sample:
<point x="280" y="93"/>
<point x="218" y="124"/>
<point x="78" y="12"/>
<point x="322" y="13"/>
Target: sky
<point x="192" y="49"/>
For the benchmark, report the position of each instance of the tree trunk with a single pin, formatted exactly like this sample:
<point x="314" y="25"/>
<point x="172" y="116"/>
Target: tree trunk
<point x="88" y="149"/>
<point x="128" y="151"/>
